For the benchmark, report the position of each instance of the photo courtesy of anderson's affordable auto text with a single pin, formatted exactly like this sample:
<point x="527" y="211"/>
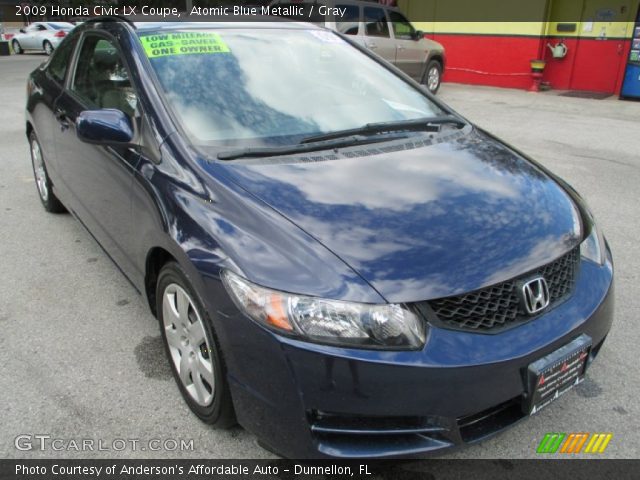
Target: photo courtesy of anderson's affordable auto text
<point x="319" y="239"/>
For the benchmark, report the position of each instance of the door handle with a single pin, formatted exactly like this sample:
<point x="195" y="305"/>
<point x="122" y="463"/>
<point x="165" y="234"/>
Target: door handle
<point x="400" y="47"/>
<point x="372" y="46"/>
<point x="63" y="120"/>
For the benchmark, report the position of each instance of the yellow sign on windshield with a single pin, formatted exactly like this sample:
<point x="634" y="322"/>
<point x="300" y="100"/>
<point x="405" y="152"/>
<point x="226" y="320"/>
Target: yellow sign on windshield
<point x="182" y="43"/>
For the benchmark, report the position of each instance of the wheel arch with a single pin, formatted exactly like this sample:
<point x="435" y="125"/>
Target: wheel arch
<point x="157" y="257"/>
<point x="438" y="57"/>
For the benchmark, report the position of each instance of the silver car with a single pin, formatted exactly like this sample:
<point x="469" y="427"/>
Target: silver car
<point x="385" y="31"/>
<point x="41" y="36"/>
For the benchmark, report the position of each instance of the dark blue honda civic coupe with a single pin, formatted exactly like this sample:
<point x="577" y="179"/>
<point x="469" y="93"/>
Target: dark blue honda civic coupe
<point x="338" y="261"/>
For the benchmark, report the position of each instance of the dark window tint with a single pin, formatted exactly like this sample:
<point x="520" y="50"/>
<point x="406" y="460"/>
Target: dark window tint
<point x="402" y="28"/>
<point x="61" y="59"/>
<point x="375" y="22"/>
<point x="348" y="23"/>
<point x="101" y="77"/>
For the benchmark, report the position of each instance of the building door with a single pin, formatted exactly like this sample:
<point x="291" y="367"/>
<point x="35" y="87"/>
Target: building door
<point x="600" y="49"/>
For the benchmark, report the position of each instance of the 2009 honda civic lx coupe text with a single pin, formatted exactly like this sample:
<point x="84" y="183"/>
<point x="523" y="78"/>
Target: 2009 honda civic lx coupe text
<point x="338" y="261"/>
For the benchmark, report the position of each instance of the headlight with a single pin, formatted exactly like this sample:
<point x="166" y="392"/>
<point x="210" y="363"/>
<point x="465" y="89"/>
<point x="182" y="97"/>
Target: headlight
<point x="592" y="248"/>
<point x="327" y="321"/>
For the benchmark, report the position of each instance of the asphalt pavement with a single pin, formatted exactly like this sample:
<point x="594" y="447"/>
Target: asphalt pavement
<point x="81" y="356"/>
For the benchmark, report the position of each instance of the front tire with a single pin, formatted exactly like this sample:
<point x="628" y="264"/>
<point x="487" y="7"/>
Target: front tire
<point x="16" y="47"/>
<point x="49" y="200"/>
<point x="192" y="348"/>
<point x="433" y="76"/>
<point x="47" y="47"/>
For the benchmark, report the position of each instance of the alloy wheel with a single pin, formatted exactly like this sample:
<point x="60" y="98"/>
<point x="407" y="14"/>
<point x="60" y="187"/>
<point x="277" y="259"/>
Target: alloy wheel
<point x="433" y="79"/>
<point x="16" y="47"/>
<point x="189" y="347"/>
<point x="48" y="48"/>
<point x="39" y="170"/>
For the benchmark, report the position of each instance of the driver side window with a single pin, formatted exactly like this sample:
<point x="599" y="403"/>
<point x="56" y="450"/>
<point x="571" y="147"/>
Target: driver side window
<point x="402" y="28"/>
<point x="101" y="78"/>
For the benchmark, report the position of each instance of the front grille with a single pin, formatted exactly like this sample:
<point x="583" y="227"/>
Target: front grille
<point x="499" y="305"/>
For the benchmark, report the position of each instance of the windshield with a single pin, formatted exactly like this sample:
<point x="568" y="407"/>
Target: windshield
<point x="265" y="87"/>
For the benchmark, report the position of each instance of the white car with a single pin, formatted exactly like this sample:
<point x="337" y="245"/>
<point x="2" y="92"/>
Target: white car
<point x="41" y="36"/>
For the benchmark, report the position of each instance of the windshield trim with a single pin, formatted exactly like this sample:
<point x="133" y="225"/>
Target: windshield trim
<point x="405" y="140"/>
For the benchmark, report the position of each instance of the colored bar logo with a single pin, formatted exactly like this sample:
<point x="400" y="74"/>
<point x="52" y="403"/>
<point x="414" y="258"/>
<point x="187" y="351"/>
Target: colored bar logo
<point x="574" y="443"/>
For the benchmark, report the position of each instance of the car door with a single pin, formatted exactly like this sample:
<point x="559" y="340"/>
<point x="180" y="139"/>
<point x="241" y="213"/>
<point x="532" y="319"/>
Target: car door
<point x="39" y="36"/>
<point x="30" y="37"/>
<point x="377" y="36"/>
<point x="49" y="84"/>
<point x="410" y="51"/>
<point x="99" y="177"/>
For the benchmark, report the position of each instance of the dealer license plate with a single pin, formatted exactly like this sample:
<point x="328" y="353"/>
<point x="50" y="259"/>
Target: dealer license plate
<point x="555" y="374"/>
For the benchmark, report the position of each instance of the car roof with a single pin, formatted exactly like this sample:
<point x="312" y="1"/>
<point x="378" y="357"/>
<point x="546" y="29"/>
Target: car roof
<point x="146" y="23"/>
<point x="224" y="23"/>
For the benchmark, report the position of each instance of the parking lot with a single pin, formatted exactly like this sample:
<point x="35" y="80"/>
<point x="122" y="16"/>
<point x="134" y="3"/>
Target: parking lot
<point x="81" y="355"/>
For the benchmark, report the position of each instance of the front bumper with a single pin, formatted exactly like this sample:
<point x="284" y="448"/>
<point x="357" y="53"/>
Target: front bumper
<point x="314" y="401"/>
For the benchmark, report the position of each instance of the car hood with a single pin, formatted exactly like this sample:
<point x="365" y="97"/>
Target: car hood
<point x="426" y="222"/>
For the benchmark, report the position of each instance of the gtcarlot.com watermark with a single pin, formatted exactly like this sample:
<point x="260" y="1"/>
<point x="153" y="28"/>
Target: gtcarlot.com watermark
<point x="44" y="442"/>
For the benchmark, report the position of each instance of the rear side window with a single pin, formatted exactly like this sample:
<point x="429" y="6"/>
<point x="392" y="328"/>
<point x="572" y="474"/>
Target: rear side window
<point x="375" y="22"/>
<point x="60" y="26"/>
<point x="61" y="59"/>
<point x="348" y="24"/>
<point x="101" y="77"/>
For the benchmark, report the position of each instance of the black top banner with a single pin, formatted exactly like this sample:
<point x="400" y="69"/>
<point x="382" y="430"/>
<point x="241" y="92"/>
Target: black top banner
<point x="331" y="10"/>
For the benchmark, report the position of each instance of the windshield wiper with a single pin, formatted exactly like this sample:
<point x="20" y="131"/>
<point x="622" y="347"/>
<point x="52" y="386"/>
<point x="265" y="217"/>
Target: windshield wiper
<point x="417" y="124"/>
<point x="338" y="142"/>
<point x="369" y="133"/>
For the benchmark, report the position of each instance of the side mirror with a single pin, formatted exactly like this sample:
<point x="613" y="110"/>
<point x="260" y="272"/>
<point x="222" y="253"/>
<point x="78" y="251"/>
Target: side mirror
<point x="107" y="126"/>
<point x="418" y="35"/>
